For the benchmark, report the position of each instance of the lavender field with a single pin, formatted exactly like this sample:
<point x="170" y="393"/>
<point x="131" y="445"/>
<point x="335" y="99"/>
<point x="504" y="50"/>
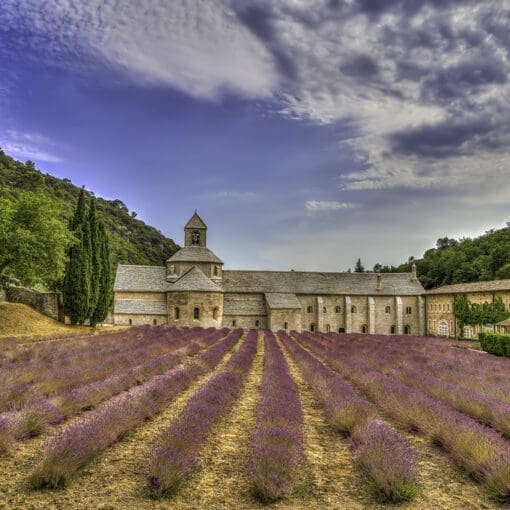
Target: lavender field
<point x="151" y="417"/>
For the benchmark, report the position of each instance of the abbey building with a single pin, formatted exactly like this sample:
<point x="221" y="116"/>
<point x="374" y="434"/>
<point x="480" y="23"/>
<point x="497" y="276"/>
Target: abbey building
<point x="194" y="289"/>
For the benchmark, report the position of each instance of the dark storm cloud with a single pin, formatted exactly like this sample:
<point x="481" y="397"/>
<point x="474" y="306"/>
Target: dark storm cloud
<point x="259" y="19"/>
<point x="444" y="139"/>
<point x="360" y="66"/>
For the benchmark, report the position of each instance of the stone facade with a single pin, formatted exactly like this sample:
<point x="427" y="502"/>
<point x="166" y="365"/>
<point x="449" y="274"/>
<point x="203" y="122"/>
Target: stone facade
<point x="193" y="289"/>
<point x="440" y="307"/>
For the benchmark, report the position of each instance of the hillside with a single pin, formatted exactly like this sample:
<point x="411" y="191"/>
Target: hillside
<point x="132" y="241"/>
<point x="486" y="257"/>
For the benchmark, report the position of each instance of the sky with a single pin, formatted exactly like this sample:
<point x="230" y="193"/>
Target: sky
<point x="307" y="133"/>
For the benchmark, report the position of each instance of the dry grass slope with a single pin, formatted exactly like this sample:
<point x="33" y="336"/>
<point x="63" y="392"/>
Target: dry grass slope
<point x="24" y="323"/>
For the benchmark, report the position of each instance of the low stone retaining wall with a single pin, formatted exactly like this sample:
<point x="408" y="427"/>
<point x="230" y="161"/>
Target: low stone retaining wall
<point x="48" y="303"/>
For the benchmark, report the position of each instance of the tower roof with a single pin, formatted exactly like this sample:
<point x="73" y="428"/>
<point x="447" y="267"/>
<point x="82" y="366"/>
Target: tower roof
<point x="195" y="254"/>
<point x="195" y="280"/>
<point x="195" y="222"/>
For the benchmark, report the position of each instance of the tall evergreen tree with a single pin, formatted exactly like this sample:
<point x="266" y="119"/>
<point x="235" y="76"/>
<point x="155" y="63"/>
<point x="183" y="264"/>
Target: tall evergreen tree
<point x="105" y="282"/>
<point x="95" y="259"/>
<point x="359" y="267"/>
<point x="76" y="291"/>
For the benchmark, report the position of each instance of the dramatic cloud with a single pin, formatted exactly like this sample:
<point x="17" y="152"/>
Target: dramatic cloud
<point x="422" y="85"/>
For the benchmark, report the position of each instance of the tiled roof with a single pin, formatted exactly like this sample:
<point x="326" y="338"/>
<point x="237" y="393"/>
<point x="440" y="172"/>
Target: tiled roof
<point x="488" y="286"/>
<point x="244" y="304"/>
<point x="195" y="222"/>
<point x="140" y="306"/>
<point x="279" y="300"/>
<point x="141" y="279"/>
<point x="297" y="282"/>
<point x="195" y="254"/>
<point x="195" y="280"/>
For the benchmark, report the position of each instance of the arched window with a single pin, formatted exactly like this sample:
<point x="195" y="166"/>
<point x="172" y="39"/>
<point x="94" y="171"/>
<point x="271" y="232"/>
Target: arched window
<point x="215" y="313"/>
<point x="195" y="238"/>
<point x="338" y="309"/>
<point x="387" y="309"/>
<point x="353" y="309"/>
<point x="407" y="330"/>
<point x="257" y="323"/>
<point x="312" y="327"/>
<point x="215" y="270"/>
<point x="324" y="309"/>
<point x="328" y="328"/>
<point x="234" y="323"/>
<point x="177" y="313"/>
<point x="364" y="328"/>
<point x="285" y="325"/>
<point x="409" y="310"/>
<point x="130" y="322"/>
<point x="393" y="329"/>
<point x="468" y="332"/>
<point x="154" y="322"/>
<point x="310" y="309"/>
<point x="196" y="313"/>
<point x="443" y="328"/>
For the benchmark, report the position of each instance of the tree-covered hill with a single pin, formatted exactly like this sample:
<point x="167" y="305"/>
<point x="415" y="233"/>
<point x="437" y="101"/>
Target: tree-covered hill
<point x="131" y="240"/>
<point x="486" y="257"/>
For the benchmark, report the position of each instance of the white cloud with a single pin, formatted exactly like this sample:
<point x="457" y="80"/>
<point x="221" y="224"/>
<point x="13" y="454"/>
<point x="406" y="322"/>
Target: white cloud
<point x="236" y="195"/>
<point x="28" y="146"/>
<point x="326" y="205"/>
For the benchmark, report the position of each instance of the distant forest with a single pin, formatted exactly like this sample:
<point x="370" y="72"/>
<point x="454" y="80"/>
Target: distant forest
<point x="486" y="257"/>
<point x="131" y="240"/>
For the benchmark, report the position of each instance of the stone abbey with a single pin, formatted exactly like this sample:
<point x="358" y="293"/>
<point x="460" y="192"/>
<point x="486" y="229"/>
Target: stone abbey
<point x="194" y="289"/>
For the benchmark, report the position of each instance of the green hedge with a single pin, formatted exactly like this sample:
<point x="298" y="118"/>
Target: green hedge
<point x="495" y="343"/>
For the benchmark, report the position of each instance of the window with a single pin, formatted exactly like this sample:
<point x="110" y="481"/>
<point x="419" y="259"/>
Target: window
<point x="172" y="269"/>
<point x="338" y="309"/>
<point x="354" y="309"/>
<point x="130" y="322"/>
<point x="285" y="325"/>
<point x="409" y="310"/>
<point x="341" y="330"/>
<point x="393" y="329"/>
<point x="468" y="332"/>
<point x="312" y="327"/>
<point x="195" y="237"/>
<point x="215" y="270"/>
<point x="364" y="328"/>
<point x="234" y="323"/>
<point x="215" y="313"/>
<point x="324" y="309"/>
<point x="310" y="309"/>
<point x="154" y="322"/>
<point x="328" y="328"/>
<point x="177" y="313"/>
<point x="257" y="323"/>
<point x="387" y="310"/>
<point x="407" y="330"/>
<point x="196" y="313"/>
<point x="443" y="328"/>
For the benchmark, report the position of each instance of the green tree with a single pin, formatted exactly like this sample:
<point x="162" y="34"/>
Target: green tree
<point x="105" y="283"/>
<point x="76" y="290"/>
<point x="359" y="267"/>
<point x="33" y="240"/>
<point x="95" y="258"/>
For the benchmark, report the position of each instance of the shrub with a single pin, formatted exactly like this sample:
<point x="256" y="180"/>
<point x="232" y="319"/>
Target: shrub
<point x="495" y="343"/>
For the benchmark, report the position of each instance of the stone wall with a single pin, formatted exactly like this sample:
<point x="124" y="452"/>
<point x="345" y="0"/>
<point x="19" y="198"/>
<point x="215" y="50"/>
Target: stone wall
<point x="132" y="319"/>
<point x="3" y="294"/>
<point x="209" y="304"/>
<point x="245" y="321"/>
<point x="48" y="303"/>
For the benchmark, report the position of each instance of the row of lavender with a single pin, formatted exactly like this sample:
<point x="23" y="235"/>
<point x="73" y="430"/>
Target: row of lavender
<point x="33" y="372"/>
<point x="487" y="403"/>
<point x="277" y="452"/>
<point x="177" y="450"/>
<point x="383" y="454"/>
<point x="477" y="448"/>
<point x="73" y="447"/>
<point x="34" y="416"/>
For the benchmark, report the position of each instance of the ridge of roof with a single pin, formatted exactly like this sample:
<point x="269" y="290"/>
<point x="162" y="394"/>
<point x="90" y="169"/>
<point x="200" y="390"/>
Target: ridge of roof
<point x="195" y="221"/>
<point x="195" y="280"/>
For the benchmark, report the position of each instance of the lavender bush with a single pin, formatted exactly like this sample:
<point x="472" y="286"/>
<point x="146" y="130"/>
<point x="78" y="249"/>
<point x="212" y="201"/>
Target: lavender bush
<point x="72" y="448"/>
<point x="277" y="453"/>
<point x="178" y="448"/>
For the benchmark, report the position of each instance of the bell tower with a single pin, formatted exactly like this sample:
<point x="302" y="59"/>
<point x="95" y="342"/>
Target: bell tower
<point x="195" y="232"/>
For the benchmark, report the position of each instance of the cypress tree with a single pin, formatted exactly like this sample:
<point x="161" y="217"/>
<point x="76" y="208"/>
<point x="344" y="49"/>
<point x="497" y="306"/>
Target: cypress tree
<point x="105" y="282"/>
<point x="95" y="260"/>
<point x="76" y="292"/>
